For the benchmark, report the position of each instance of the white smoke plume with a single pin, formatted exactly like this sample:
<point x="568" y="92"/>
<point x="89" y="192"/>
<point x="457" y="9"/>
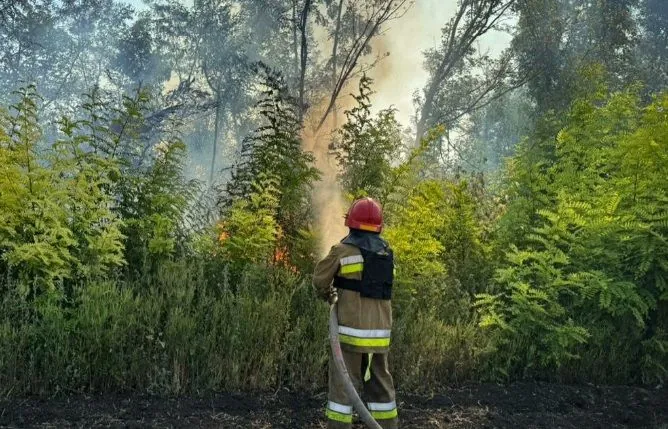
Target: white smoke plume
<point x="328" y="198"/>
<point x="396" y="78"/>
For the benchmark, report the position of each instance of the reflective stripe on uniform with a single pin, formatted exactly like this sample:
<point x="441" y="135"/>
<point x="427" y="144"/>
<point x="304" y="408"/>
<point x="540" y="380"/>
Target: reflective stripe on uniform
<point x="384" y="415"/>
<point x="351" y="264"/>
<point x="355" y="259"/>
<point x="383" y="410"/>
<point x="340" y="408"/>
<point x="339" y="412"/>
<point x="364" y="337"/>
<point x="364" y="342"/>
<point x="365" y="333"/>
<point x="352" y="268"/>
<point x="382" y="406"/>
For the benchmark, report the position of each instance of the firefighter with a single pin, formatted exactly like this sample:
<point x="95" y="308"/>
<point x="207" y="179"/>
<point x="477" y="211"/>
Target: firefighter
<point x="358" y="273"/>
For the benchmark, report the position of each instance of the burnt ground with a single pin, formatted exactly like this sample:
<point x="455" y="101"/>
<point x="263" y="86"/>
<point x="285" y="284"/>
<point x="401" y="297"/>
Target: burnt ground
<point x="521" y="405"/>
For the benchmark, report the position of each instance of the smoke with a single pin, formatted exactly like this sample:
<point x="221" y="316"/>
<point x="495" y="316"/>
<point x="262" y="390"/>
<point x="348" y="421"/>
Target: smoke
<point x="396" y="76"/>
<point x="328" y="200"/>
<point x="401" y="73"/>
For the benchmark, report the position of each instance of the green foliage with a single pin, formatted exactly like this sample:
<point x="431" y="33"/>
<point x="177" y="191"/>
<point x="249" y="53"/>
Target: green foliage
<point x="572" y="286"/>
<point x="274" y="150"/>
<point x="154" y="203"/>
<point x="78" y="207"/>
<point x="56" y="219"/>
<point x="176" y="336"/>
<point x="367" y="147"/>
<point x="592" y="250"/>
<point x="35" y="237"/>
<point x="495" y="131"/>
<point x="183" y="335"/>
<point x="96" y="228"/>
<point x="605" y="33"/>
<point x="149" y="186"/>
<point x="413" y="236"/>
<point x="249" y="232"/>
<point x="466" y="247"/>
<point x="426" y="347"/>
<point x="530" y="324"/>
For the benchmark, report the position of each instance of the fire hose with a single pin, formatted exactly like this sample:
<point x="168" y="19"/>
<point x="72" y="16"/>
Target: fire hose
<point x="340" y="366"/>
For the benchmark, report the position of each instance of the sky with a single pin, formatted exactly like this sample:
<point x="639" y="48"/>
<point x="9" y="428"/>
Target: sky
<point x="402" y="73"/>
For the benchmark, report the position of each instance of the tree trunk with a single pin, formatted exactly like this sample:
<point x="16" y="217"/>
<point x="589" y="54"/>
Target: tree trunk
<point x="472" y="21"/>
<point x="425" y="112"/>
<point x="295" y="42"/>
<point x="335" y="56"/>
<point x="419" y="128"/>
<point x="216" y="132"/>
<point x="304" y="58"/>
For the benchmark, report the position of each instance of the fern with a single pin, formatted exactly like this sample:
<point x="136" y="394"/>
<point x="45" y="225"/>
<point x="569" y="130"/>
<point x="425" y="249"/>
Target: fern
<point x="595" y="246"/>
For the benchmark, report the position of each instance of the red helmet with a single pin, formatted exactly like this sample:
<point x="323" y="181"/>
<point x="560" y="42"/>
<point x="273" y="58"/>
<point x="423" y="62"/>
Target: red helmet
<point x="365" y="214"/>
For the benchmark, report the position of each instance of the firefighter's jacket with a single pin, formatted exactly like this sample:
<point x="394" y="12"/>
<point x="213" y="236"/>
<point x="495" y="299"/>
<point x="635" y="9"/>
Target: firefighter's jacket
<point x="364" y="323"/>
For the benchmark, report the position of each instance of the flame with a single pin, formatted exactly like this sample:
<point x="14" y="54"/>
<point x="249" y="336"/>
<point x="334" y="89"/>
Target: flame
<point x="282" y="259"/>
<point x="280" y="256"/>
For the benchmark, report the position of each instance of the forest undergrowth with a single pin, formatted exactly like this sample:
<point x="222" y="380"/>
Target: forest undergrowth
<point x="119" y="273"/>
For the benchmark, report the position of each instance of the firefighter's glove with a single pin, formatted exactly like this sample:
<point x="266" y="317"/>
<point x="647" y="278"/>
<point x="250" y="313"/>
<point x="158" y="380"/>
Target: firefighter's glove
<point x="333" y="297"/>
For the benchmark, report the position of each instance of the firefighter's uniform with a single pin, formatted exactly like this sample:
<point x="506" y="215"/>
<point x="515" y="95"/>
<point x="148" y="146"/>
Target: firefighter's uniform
<point x="361" y="270"/>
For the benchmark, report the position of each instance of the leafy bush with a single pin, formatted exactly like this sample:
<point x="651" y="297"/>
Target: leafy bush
<point x="366" y="147"/>
<point x="55" y="213"/>
<point x="274" y="152"/>
<point x="593" y="264"/>
<point x="183" y="335"/>
<point x="428" y="352"/>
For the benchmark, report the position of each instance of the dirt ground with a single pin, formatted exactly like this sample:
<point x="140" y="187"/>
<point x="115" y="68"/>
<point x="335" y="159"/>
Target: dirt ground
<point x="521" y="405"/>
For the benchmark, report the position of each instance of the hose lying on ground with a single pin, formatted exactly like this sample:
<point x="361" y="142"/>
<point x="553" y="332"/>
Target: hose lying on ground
<point x="340" y="366"/>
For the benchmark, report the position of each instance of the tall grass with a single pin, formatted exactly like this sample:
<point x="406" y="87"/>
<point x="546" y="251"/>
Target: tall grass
<point x="180" y="331"/>
<point x="180" y="335"/>
<point x="183" y="334"/>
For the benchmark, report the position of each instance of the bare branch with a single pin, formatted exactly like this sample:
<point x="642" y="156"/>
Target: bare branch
<point x="473" y="19"/>
<point x="386" y="10"/>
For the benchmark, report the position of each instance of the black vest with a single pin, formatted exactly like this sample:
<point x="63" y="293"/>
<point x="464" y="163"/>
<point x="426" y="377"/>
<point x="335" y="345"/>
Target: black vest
<point x="378" y="269"/>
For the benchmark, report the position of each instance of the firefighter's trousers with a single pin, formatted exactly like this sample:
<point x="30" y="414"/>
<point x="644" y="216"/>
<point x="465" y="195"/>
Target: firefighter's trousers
<point x="377" y="392"/>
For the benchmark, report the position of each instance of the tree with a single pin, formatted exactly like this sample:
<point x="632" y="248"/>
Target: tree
<point x="461" y="79"/>
<point x="63" y="47"/>
<point x="137" y="58"/>
<point x="150" y="190"/>
<point x="303" y="55"/>
<point x="492" y="133"/>
<point x="274" y="150"/>
<point x="351" y="25"/>
<point x="249" y="230"/>
<point x="366" y="147"/>
<point x="353" y="31"/>
<point x="55" y="207"/>
<point x="222" y="62"/>
<point x="557" y="38"/>
<point x="204" y="46"/>
<point x="36" y="240"/>
<point x="654" y="43"/>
